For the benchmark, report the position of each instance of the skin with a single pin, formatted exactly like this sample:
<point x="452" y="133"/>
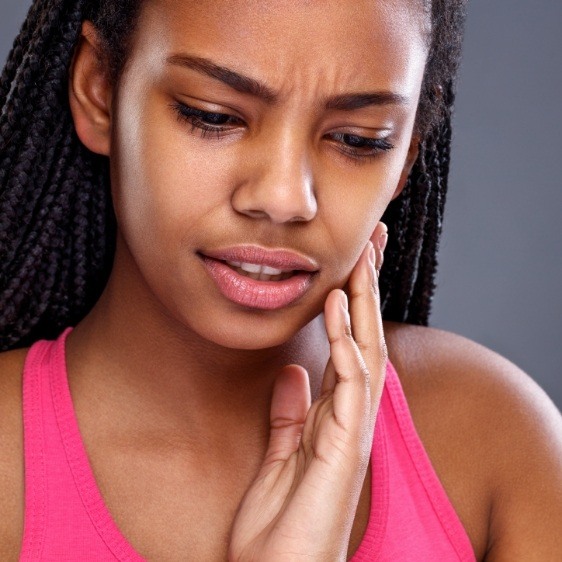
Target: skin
<point x="163" y="340"/>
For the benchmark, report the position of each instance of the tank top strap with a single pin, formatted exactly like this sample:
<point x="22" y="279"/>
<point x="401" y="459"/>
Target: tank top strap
<point x="34" y="392"/>
<point x="411" y="469"/>
<point x="65" y="515"/>
<point x="370" y="546"/>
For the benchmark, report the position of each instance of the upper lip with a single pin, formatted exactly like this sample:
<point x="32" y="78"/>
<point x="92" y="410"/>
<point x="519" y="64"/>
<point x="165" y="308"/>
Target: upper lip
<point x="277" y="258"/>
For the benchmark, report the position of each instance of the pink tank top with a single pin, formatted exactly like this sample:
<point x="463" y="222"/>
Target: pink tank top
<point x="66" y="519"/>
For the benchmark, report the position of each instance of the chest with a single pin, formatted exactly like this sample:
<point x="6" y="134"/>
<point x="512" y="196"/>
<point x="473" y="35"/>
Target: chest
<point x="173" y="514"/>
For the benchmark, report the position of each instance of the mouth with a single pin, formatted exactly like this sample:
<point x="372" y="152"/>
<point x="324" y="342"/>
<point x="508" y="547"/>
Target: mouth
<point x="260" y="272"/>
<point x="256" y="285"/>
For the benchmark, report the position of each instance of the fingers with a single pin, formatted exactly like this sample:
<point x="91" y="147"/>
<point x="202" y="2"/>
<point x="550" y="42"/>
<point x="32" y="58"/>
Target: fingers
<point x="289" y="407"/>
<point x="380" y="236"/>
<point x="366" y="320"/>
<point x="329" y="380"/>
<point x="365" y="353"/>
<point x="351" y="393"/>
<point x="380" y="245"/>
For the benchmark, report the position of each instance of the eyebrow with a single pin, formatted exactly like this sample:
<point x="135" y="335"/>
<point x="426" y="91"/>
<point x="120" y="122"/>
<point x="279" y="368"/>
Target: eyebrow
<point x="238" y="82"/>
<point x="255" y="88"/>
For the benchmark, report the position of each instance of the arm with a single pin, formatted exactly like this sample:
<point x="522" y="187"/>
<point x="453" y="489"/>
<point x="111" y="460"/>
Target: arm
<point x="493" y="436"/>
<point x="526" y="515"/>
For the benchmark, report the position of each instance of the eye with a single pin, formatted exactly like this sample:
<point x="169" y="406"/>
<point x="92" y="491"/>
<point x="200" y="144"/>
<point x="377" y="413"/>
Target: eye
<point x="358" y="147"/>
<point x="206" y="121"/>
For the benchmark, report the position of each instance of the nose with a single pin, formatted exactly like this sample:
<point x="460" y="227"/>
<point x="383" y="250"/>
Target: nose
<point x="278" y="183"/>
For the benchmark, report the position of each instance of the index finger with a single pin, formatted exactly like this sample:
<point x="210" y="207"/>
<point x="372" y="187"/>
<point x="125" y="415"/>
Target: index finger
<point x="366" y="321"/>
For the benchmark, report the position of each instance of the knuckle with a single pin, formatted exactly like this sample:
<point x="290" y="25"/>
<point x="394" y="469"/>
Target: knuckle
<point x="366" y="377"/>
<point x="333" y="339"/>
<point x="375" y="291"/>
<point x="281" y="423"/>
<point x="364" y="372"/>
<point x="342" y="337"/>
<point x="384" y="351"/>
<point x="355" y="293"/>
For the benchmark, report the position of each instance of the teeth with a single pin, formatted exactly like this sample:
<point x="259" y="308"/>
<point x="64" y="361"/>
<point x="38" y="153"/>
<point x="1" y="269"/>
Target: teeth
<point x="255" y="268"/>
<point x="263" y="276"/>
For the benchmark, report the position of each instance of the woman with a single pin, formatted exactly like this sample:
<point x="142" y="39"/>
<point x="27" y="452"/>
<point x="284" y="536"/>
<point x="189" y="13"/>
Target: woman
<point x="203" y="190"/>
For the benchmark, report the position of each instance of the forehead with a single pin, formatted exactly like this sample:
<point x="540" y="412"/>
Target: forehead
<point x="351" y="42"/>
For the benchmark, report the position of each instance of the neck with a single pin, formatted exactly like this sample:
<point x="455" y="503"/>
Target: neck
<point x="163" y="379"/>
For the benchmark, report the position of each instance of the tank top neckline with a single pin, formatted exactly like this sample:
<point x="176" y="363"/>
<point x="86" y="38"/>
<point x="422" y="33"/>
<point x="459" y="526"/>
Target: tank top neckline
<point x="103" y="520"/>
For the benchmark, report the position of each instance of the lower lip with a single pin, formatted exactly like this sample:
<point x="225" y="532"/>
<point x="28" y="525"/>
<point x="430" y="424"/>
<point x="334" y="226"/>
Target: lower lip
<point x="264" y="295"/>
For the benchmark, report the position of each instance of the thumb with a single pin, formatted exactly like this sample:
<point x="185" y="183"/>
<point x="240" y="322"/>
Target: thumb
<point x="289" y="406"/>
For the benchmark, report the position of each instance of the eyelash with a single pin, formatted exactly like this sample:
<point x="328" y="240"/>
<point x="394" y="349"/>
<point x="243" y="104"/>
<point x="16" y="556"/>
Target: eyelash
<point x="374" y="146"/>
<point x="196" y="118"/>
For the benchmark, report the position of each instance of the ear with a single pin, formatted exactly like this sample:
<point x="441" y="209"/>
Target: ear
<point x="411" y="157"/>
<point x="90" y="93"/>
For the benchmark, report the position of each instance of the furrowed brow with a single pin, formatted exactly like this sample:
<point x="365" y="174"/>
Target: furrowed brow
<point x="251" y="86"/>
<point x="237" y="81"/>
<point x="351" y="102"/>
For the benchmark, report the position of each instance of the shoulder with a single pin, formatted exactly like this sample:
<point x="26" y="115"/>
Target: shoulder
<point x="11" y="370"/>
<point x="430" y="359"/>
<point x="11" y="453"/>
<point x="486" y="423"/>
<point x="472" y="384"/>
<point x="11" y="396"/>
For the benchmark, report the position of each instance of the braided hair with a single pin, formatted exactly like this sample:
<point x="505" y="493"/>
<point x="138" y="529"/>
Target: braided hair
<point x="57" y="225"/>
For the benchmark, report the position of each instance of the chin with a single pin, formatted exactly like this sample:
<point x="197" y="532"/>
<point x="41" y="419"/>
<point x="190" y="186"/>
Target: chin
<point x="246" y="337"/>
<point x="250" y="330"/>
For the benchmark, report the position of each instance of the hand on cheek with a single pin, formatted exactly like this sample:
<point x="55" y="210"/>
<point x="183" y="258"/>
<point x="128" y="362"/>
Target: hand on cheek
<point x="302" y="504"/>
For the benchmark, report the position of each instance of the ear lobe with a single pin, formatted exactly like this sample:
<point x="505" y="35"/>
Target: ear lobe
<point x="412" y="156"/>
<point x="90" y="93"/>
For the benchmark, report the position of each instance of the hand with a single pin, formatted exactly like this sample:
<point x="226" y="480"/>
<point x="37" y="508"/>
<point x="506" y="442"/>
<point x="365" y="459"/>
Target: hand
<point x="302" y="504"/>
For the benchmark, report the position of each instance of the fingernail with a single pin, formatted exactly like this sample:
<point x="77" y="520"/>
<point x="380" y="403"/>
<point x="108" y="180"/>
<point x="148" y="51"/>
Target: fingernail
<point x="383" y="239"/>
<point x="343" y="298"/>
<point x="372" y="255"/>
<point x="372" y="261"/>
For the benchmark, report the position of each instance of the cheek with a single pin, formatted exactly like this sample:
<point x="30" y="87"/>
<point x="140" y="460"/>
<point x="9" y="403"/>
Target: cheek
<point x="163" y="187"/>
<point x="355" y="203"/>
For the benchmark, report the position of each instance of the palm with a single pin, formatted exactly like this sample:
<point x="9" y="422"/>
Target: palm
<point x="267" y="521"/>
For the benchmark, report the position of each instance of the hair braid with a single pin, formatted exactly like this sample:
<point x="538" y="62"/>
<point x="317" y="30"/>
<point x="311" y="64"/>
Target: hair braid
<point x="40" y="252"/>
<point x="425" y="280"/>
<point x="51" y="187"/>
<point x="415" y="218"/>
<point x="409" y="232"/>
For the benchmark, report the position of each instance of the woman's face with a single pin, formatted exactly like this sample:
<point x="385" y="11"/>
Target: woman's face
<point x="282" y="125"/>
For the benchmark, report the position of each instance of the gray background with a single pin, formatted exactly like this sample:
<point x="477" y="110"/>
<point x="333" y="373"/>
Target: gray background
<point x="500" y="271"/>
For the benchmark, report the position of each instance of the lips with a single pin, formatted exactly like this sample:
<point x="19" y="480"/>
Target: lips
<point x="284" y="260"/>
<point x="259" y="294"/>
